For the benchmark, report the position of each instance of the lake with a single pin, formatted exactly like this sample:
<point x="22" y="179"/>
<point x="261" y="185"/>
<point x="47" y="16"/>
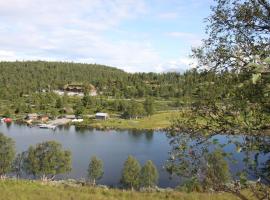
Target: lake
<point x="113" y="147"/>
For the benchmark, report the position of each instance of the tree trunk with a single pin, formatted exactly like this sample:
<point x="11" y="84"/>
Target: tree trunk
<point x="44" y="178"/>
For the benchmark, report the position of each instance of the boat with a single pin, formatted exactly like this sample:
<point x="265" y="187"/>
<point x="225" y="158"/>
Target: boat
<point x="43" y="126"/>
<point x="47" y="126"/>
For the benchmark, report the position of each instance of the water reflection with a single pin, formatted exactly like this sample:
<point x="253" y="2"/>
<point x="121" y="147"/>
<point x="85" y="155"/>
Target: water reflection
<point x="64" y="127"/>
<point x="245" y="154"/>
<point x="114" y="146"/>
<point x="8" y="125"/>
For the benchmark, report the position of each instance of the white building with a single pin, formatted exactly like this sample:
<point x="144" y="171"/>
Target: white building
<point x="102" y="116"/>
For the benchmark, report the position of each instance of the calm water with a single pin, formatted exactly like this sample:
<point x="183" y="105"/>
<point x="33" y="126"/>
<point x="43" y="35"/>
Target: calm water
<point x="113" y="147"/>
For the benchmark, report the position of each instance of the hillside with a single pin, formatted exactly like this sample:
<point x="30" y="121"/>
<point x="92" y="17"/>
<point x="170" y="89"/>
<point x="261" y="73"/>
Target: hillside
<point x="20" y="78"/>
<point x="31" y="76"/>
<point x="24" y="78"/>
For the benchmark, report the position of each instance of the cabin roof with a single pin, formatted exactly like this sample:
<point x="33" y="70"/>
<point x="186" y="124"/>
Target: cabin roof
<point x="99" y="114"/>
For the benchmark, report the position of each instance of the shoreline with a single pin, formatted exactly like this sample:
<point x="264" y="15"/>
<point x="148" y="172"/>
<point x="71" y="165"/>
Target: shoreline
<point x="265" y="132"/>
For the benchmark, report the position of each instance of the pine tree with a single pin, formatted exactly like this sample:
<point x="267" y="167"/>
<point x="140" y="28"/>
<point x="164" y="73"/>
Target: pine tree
<point x="149" y="106"/>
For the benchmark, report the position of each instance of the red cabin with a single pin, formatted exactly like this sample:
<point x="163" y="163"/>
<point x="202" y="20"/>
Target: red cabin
<point x="7" y="120"/>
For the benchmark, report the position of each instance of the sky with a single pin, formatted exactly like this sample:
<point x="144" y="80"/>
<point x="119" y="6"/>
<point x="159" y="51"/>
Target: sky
<point x="133" y="35"/>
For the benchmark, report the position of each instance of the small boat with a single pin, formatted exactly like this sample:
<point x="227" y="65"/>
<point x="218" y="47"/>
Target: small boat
<point x="47" y="126"/>
<point x="43" y="126"/>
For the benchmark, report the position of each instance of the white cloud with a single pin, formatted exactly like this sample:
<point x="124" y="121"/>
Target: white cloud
<point x="77" y="30"/>
<point x="178" y="65"/>
<point x="71" y="30"/>
<point x="7" y="55"/>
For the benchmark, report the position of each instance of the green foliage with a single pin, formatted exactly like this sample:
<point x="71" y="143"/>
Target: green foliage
<point x="149" y="106"/>
<point x="7" y="154"/>
<point x="59" y="103"/>
<point x="237" y="48"/>
<point x="18" y="164"/>
<point x="78" y="109"/>
<point x="149" y="175"/>
<point x="47" y="159"/>
<point x="217" y="171"/>
<point x="95" y="169"/>
<point x="192" y="185"/>
<point x="87" y="101"/>
<point x="131" y="173"/>
<point x="238" y="34"/>
<point x="7" y="114"/>
<point x="38" y="76"/>
<point x="134" y="110"/>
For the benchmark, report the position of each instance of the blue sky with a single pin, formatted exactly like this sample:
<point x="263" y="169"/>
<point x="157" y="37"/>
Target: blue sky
<point x="133" y="35"/>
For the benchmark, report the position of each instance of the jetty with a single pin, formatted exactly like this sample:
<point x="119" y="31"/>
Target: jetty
<point x="54" y="123"/>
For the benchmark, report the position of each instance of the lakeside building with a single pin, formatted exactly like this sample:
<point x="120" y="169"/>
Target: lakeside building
<point x="102" y="116"/>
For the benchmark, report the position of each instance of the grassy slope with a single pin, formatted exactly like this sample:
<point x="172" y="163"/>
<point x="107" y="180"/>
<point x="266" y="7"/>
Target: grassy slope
<point x="156" y="121"/>
<point x="28" y="190"/>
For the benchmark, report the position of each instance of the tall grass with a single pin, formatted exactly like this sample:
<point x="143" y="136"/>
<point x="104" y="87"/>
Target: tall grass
<point x="34" y="190"/>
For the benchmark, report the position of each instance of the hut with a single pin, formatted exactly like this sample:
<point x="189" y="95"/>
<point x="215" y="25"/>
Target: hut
<point x="102" y="116"/>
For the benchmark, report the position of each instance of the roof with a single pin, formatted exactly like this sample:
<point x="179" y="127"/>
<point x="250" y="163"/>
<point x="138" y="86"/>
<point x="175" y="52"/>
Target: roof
<point x="101" y="114"/>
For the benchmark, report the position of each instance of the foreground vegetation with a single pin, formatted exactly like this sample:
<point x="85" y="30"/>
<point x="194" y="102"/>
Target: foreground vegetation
<point x="32" y="190"/>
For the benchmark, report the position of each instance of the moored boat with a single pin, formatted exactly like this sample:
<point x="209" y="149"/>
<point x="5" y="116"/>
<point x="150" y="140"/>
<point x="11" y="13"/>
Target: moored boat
<point x="47" y="126"/>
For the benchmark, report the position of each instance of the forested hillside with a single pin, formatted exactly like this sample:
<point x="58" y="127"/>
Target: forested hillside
<point x="24" y="78"/>
<point x="17" y="78"/>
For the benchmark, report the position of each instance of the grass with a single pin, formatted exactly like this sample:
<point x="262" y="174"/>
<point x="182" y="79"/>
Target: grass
<point x="32" y="190"/>
<point x="157" y="121"/>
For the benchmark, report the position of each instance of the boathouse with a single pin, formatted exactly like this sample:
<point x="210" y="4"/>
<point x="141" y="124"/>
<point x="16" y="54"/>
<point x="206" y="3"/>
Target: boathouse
<point x="102" y="116"/>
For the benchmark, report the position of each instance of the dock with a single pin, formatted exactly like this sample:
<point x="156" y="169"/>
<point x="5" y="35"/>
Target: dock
<point x="54" y="123"/>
